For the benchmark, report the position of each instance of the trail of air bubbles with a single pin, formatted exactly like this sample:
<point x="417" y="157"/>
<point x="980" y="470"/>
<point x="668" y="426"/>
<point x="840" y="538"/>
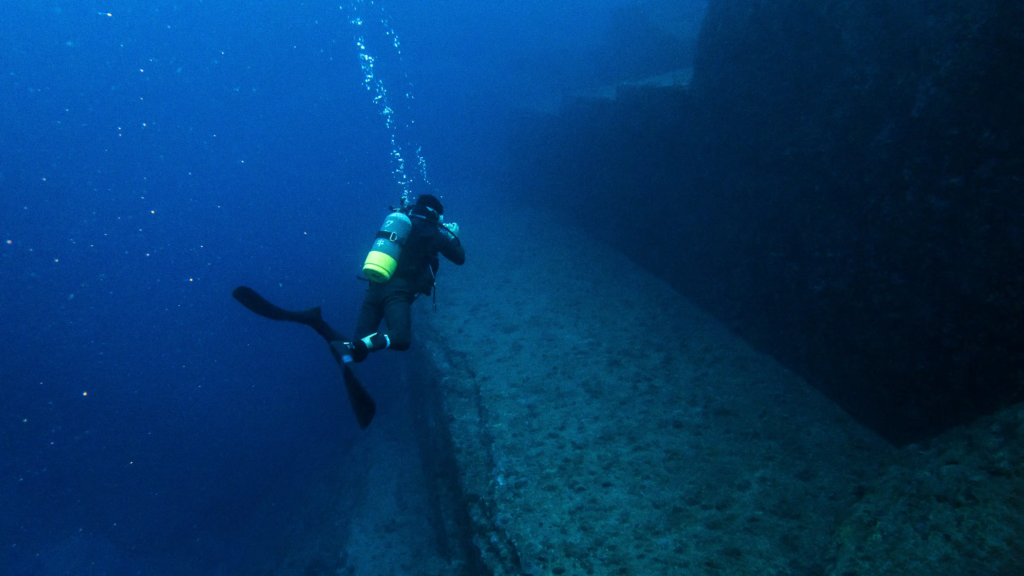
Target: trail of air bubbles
<point x="366" y="17"/>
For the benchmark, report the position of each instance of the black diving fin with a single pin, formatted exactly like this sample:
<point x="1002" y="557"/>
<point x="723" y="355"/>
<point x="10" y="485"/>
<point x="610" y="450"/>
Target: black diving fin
<point x="362" y="404"/>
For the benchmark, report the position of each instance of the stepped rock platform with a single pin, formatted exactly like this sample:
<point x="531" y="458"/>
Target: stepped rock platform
<point x="602" y="424"/>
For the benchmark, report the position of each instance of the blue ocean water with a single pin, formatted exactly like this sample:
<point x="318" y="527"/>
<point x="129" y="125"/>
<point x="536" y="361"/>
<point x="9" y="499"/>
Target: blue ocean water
<point x="158" y="154"/>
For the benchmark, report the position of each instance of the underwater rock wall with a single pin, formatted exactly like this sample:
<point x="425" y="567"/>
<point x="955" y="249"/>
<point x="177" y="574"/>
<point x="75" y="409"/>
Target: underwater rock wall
<point x="845" y="186"/>
<point x="603" y="425"/>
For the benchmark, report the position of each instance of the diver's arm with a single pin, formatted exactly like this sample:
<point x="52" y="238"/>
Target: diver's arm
<point x="451" y="248"/>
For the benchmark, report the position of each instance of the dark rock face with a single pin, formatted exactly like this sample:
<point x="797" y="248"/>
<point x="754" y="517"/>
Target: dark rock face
<point x="843" y="182"/>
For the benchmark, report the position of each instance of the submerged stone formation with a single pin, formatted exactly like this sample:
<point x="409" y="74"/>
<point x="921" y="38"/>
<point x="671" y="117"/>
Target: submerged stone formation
<point x="604" y="425"/>
<point x="844" y="184"/>
<point x="601" y="424"/>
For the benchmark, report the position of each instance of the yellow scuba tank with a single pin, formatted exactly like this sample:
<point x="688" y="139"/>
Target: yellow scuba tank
<point x="383" y="257"/>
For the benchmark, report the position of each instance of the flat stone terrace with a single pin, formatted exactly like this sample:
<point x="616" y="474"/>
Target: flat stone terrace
<point x="603" y="424"/>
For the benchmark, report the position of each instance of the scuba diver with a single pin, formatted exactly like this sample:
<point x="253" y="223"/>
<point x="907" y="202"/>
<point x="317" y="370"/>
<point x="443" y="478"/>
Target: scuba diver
<point x="402" y="265"/>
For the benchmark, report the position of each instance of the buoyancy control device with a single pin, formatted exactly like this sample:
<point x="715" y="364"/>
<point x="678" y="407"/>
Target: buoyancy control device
<point x="383" y="257"/>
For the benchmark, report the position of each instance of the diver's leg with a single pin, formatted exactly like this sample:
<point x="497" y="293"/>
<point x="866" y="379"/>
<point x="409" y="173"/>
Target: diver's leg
<point x="367" y="340"/>
<point x="371" y="313"/>
<point x="394" y="305"/>
<point x="397" y="313"/>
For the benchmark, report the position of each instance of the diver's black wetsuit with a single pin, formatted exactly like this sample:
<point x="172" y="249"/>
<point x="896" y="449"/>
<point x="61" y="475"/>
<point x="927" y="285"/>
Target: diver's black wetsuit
<point x="413" y="276"/>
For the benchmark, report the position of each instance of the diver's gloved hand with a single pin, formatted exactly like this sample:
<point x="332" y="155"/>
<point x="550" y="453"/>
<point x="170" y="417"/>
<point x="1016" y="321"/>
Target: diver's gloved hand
<point x="452" y="227"/>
